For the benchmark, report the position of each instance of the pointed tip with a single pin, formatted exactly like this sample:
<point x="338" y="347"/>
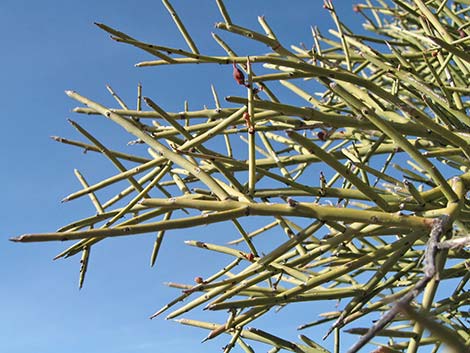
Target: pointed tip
<point x="69" y="92"/>
<point x="157" y="313"/>
<point x="330" y="330"/>
<point x="15" y="239"/>
<point x="65" y="199"/>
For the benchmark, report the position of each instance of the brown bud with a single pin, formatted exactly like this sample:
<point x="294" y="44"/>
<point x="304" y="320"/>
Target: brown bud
<point x="321" y="135"/>
<point x="250" y="256"/>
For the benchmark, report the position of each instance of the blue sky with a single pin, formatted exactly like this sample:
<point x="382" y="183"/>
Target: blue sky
<point x="51" y="46"/>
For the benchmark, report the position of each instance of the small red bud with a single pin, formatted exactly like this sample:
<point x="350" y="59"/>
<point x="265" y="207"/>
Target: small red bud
<point x="291" y="202"/>
<point x="356" y="8"/>
<point x="238" y="75"/>
<point x="250" y="257"/>
<point x="198" y="279"/>
<point x="321" y="135"/>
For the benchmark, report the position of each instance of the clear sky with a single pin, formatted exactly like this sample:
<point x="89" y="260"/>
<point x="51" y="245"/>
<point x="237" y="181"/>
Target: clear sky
<point x="50" y="46"/>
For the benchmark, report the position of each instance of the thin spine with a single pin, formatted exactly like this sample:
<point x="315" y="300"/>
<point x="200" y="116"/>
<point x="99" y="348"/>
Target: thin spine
<point x="375" y="14"/>
<point x="92" y="195"/>
<point x="246" y="238"/>
<point x="224" y="12"/>
<point x="437" y="79"/>
<point x="209" y="280"/>
<point x="339" y="25"/>
<point x="123" y="175"/>
<point x="267" y="29"/>
<point x="255" y="232"/>
<point x="273" y="43"/>
<point x="251" y="133"/>
<point x="285" y="173"/>
<point x="116" y="97"/>
<point x="181" y="27"/>
<point x="119" y="34"/>
<point x="168" y="118"/>
<point x="414" y="192"/>
<point x="110" y="156"/>
<point x="158" y="241"/>
<point x="216" y="98"/>
<point x="87" y="147"/>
